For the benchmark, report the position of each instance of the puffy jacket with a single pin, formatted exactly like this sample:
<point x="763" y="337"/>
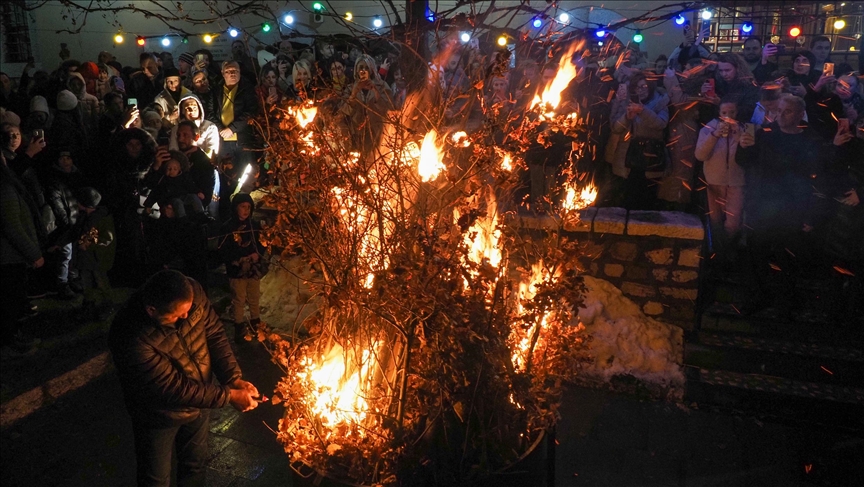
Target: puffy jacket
<point x="60" y="194"/>
<point x="166" y="371"/>
<point x="209" y="139"/>
<point x="718" y="154"/>
<point x="19" y="242"/>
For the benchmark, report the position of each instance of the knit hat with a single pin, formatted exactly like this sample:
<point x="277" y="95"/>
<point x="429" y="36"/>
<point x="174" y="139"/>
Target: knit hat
<point x="66" y="100"/>
<point x="89" y="70"/>
<point x="150" y="116"/>
<point x="169" y="72"/>
<point x="39" y="104"/>
<point x="9" y="117"/>
<point x="88" y="197"/>
<point x="187" y="58"/>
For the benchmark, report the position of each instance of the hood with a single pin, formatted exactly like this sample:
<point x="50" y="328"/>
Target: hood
<point x="80" y="94"/>
<point x="191" y="96"/>
<point x="241" y="198"/>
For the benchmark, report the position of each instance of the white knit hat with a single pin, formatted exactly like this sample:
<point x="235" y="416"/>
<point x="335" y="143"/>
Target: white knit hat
<point x="39" y="104"/>
<point x="66" y="100"/>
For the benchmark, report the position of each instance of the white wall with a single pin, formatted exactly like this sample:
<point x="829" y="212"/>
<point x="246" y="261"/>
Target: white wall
<point x="98" y="33"/>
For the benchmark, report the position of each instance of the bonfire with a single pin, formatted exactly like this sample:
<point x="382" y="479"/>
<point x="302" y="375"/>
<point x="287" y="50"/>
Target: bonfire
<point x="442" y="336"/>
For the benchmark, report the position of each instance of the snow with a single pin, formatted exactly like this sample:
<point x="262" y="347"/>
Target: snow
<point x="626" y="342"/>
<point x="285" y="297"/>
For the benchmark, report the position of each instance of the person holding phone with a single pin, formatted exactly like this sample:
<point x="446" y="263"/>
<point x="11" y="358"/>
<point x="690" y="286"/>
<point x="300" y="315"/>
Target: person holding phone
<point x="733" y="80"/>
<point x="758" y="59"/>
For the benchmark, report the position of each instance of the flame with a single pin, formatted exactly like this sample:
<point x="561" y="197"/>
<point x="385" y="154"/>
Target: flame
<point x="551" y="95"/>
<point x="431" y="158"/>
<point x="304" y="115"/>
<point x="584" y="200"/>
<point x="484" y="246"/>
<point x="527" y="290"/>
<point x="507" y="162"/>
<point x="460" y="139"/>
<point x="338" y="394"/>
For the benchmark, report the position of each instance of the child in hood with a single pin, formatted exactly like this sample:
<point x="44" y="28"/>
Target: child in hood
<point x="94" y="253"/>
<point x="173" y="183"/>
<point x="241" y="251"/>
<point x="87" y="103"/>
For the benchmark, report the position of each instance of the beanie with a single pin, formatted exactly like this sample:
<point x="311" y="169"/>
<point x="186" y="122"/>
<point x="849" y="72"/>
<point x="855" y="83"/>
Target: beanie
<point x="9" y="117"/>
<point x="66" y="100"/>
<point x="150" y="116"/>
<point x="187" y="58"/>
<point x="169" y="72"/>
<point x="39" y="104"/>
<point x="88" y="197"/>
<point x="241" y="198"/>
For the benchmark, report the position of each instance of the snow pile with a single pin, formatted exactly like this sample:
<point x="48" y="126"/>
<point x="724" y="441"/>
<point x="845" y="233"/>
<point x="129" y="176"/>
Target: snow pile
<point x="626" y="342"/>
<point x="285" y="298"/>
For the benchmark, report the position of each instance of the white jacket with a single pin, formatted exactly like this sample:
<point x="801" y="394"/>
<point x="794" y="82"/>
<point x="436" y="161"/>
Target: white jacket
<point x="718" y="154"/>
<point x="208" y="141"/>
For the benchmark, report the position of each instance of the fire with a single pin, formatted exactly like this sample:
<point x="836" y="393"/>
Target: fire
<point x="585" y="198"/>
<point x="507" y="162"/>
<point x="305" y="114"/>
<point x="460" y="139"/>
<point x="551" y="95"/>
<point x="431" y="158"/>
<point x="527" y="290"/>
<point x="484" y="246"/>
<point x="339" y="393"/>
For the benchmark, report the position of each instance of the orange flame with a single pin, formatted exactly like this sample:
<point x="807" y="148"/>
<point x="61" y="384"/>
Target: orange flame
<point x="431" y="158"/>
<point x="585" y="198"/>
<point x="551" y="96"/>
<point x="507" y="162"/>
<point x="304" y="115"/>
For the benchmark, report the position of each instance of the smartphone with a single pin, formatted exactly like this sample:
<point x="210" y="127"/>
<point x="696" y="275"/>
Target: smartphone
<point x="712" y="92"/>
<point x="40" y="134"/>
<point x="781" y="49"/>
<point x="842" y="124"/>
<point x="750" y="129"/>
<point x="132" y="101"/>
<point x="634" y="98"/>
<point x="828" y="70"/>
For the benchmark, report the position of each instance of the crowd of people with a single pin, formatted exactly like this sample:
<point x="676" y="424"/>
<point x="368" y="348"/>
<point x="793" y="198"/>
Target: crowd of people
<point x="132" y="168"/>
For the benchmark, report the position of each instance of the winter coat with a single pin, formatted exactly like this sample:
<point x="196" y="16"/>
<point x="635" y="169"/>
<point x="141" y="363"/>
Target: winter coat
<point x="19" y="240"/>
<point x="208" y="140"/>
<point x="170" y="188"/>
<point x="166" y="100"/>
<point x="87" y="103"/>
<point x="60" y="190"/>
<point x="718" y="154"/>
<point x="166" y="371"/>
<point x="245" y="108"/>
<point x="238" y="240"/>
<point x="648" y="124"/>
<point x="142" y="88"/>
<point x="203" y="175"/>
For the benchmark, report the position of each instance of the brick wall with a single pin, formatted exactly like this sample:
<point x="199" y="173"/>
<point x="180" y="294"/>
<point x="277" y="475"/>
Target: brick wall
<point x="652" y="257"/>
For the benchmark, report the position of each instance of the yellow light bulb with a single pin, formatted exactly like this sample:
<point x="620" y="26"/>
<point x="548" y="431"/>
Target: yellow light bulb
<point x="502" y="41"/>
<point x="839" y="24"/>
<point x="349" y="16"/>
<point x="208" y="38"/>
<point x="118" y="39"/>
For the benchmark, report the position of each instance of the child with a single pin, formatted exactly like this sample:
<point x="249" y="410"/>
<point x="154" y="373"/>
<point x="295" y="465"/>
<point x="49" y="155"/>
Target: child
<point x="174" y="183"/>
<point x="242" y="252"/>
<point x="716" y="147"/>
<point x="94" y="254"/>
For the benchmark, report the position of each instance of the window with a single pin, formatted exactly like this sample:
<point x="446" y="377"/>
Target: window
<point x="16" y="32"/>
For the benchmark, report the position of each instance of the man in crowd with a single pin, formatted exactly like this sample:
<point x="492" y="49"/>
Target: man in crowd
<point x="757" y="59"/>
<point x="821" y="49"/>
<point x="235" y="103"/>
<point x="145" y="84"/>
<point x="168" y="345"/>
<point x="203" y="174"/>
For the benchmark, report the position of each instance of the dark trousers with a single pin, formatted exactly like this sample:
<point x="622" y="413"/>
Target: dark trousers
<point x="154" y="449"/>
<point x="777" y="256"/>
<point x="13" y="286"/>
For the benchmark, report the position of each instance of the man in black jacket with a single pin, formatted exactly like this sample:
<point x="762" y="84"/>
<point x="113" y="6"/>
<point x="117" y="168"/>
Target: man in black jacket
<point x="234" y="104"/>
<point x="168" y="344"/>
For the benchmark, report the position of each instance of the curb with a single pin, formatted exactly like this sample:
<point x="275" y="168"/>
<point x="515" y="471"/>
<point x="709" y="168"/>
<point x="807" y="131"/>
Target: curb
<point x="29" y="402"/>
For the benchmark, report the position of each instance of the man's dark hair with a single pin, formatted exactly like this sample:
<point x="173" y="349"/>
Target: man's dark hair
<point x="190" y="124"/>
<point x="166" y="288"/>
<point x="819" y="39"/>
<point x="145" y="56"/>
<point x="770" y="92"/>
<point x="753" y="38"/>
<point x="110" y="96"/>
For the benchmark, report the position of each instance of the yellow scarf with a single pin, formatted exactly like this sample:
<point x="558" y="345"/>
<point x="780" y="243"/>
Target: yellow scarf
<point x="228" y="109"/>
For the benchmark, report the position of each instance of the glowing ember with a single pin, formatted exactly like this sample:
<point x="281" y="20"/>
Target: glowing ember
<point x="585" y="198"/>
<point x="460" y="139"/>
<point x="484" y="246"/>
<point x="551" y="95"/>
<point x="431" y="158"/>
<point x="304" y="115"/>
<point x="507" y="162"/>
<point x="339" y="394"/>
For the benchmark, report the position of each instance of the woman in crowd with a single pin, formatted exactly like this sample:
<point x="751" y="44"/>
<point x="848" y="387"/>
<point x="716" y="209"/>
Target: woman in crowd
<point x="284" y="79"/>
<point x="368" y="103"/>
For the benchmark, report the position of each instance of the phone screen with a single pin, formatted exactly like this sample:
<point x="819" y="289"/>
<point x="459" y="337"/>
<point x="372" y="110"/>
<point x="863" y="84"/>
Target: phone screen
<point x="750" y="129"/>
<point x="828" y="69"/>
<point x="132" y="101"/>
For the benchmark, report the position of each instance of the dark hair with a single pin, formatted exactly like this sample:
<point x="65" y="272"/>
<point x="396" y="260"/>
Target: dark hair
<point x="731" y="98"/>
<point x="266" y="69"/>
<point x="110" y="96"/>
<point x="770" y="92"/>
<point x="634" y="80"/>
<point x="753" y="38"/>
<point x="807" y="54"/>
<point x="819" y="39"/>
<point x="165" y="289"/>
<point x="145" y="56"/>
<point x="190" y="124"/>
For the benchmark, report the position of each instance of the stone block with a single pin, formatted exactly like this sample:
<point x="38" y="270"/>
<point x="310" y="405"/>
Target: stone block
<point x="535" y="222"/>
<point x="682" y="313"/>
<point x="610" y="220"/>
<point x="680" y="292"/>
<point x="673" y="224"/>
<point x="626" y="251"/>
<point x="652" y="308"/>
<point x="613" y="270"/>
<point x="684" y="276"/>
<point x="689" y="257"/>
<point x="660" y="256"/>
<point x="638" y="290"/>
<point x="581" y="220"/>
<point x="660" y="274"/>
<point x="637" y="272"/>
<point x="592" y="249"/>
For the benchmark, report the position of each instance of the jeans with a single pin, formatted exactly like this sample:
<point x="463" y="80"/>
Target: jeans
<point x="154" y="448"/>
<point x="64" y="257"/>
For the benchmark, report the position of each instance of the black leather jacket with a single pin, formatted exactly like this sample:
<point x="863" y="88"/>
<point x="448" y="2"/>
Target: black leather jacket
<point x="166" y="371"/>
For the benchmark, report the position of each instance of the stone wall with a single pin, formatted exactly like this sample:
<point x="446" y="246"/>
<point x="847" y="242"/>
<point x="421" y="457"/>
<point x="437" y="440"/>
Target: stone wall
<point x="653" y="257"/>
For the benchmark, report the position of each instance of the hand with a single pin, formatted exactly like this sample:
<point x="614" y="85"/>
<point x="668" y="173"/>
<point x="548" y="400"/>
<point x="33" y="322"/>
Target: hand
<point x="722" y="130"/>
<point x="842" y="137"/>
<point x="273" y="98"/>
<point x="242" y="400"/>
<point x="706" y="88"/>
<point x="669" y="74"/>
<point x="38" y="263"/>
<point x="130" y="116"/>
<point x="201" y="64"/>
<point x="226" y="133"/>
<point x="385" y="64"/>
<point x="747" y="140"/>
<point x="35" y="146"/>
<point x="823" y="80"/>
<point x="175" y="114"/>
<point x="704" y="34"/>
<point x="767" y="52"/>
<point x="798" y="90"/>
<point x="162" y="156"/>
<point x="851" y="198"/>
<point x="244" y="385"/>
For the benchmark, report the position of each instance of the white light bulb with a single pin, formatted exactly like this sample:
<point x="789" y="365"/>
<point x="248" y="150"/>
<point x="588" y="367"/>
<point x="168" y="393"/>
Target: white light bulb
<point x="289" y="19"/>
<point x="707" y="14"/>
<point x="465" y="37"/>
<point x="166" y="41"/>
<point x="564" y="18"/>
<point x="377" y="23"/>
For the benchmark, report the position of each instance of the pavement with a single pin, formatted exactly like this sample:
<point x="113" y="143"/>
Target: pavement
<point x="603" y="439"/>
